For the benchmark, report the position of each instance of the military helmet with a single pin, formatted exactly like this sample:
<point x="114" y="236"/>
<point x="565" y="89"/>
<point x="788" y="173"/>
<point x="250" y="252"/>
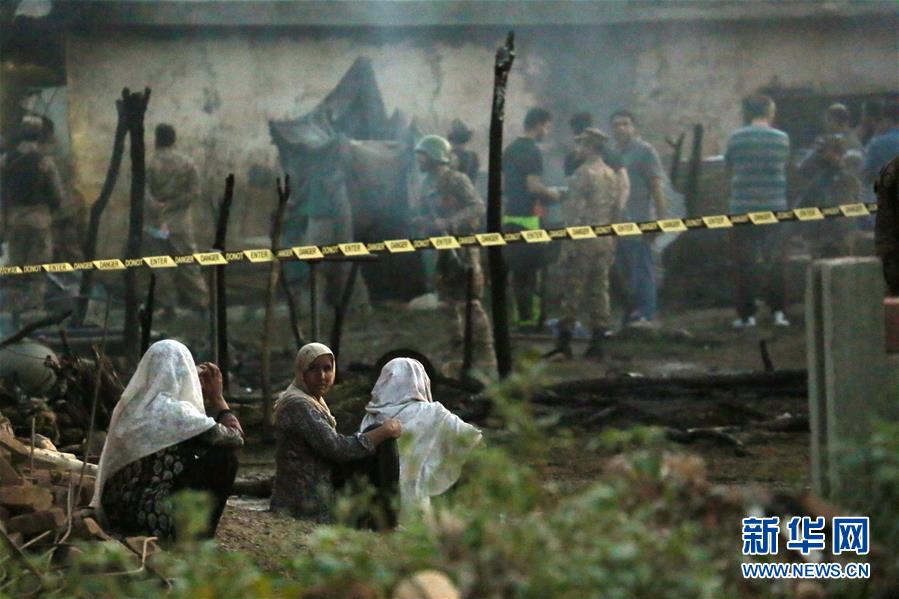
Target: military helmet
<point x="434" y="147"/>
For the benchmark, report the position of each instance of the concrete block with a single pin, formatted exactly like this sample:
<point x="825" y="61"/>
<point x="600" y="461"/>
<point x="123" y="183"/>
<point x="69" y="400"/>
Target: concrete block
<point x="851" y="379"/>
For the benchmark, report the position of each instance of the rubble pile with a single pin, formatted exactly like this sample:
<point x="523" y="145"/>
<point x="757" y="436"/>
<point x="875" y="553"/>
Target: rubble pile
<point x="55" y="394"/>
<point x="44" y="494"/>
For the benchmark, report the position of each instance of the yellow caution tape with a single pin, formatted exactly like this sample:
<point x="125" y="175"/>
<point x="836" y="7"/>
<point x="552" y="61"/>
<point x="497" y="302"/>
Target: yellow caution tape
<point x="58" y="267"/>
<point x="210" y="259"/>
<point x="489" y="239"/>
<point x="259" y="255"/>
<point x="445" y="242"/>
<point x="808" y="214"/>
<point x="717" y="222"/>
<point x="624" y="229"/>
<point x="396" y="246"/>
<point x="308" y="252"/>
<point x="535" y="236"/>
<point x="353" y="249"/>
<point x="581" y="232"/>
<point x="160" y="261"/>
<point x="672" y="225"/>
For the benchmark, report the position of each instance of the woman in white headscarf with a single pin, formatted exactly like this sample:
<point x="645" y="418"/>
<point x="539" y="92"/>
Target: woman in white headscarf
<point x="161" y="440"/>
<point x="309" y="448"/>
<point x="438" y="441"/>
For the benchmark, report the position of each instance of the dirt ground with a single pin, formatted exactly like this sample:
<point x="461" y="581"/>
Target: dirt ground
<point x="688" y="343"/>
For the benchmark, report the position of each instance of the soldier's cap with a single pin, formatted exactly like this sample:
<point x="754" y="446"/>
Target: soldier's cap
<point x="593" y="135"/>
<point x="459" y="132"/>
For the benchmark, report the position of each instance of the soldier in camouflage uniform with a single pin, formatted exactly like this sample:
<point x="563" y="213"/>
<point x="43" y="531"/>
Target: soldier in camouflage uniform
<point x="593" y="197"/>
<point x="32" y="192"/>
<point x="174" y="184"/>
<point x="457" y="210"/>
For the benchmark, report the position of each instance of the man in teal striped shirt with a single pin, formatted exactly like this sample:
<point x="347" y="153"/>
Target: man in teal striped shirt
<point x="756" y="158"/>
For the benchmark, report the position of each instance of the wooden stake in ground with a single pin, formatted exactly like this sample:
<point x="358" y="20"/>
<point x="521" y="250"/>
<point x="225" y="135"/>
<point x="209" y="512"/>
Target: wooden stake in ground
<point x="505" y="56"/>
<point x="313" y="300"/>
<point x="97" y="208"/>
<point x="341" y="308"/>
<point x="135" y="107"/>
<point x="291" y="309"/>
<point x="219" y="307"/>
<point x="273" y="271"/>
<point x="691" y="189"/>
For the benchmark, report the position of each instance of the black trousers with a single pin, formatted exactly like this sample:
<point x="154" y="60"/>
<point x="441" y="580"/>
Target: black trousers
<point x="213" y="472"/>
<point x="759" y="256"/>
<point x="380" y="473"/>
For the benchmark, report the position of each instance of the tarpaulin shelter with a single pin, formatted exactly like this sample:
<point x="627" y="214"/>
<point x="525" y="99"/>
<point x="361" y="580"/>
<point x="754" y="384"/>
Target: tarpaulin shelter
<point x="346" y="155"/>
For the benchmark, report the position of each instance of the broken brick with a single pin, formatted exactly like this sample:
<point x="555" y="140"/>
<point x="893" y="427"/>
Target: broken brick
<point x="37" y="522"/>
<point x="27" y="498"/>
<point x="8" y="474"/>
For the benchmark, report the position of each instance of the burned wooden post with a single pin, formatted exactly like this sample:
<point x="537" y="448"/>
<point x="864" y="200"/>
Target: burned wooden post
<point x="678" y="147"/>
<point x="691" y="189"/>
<point x="135" y="107"/>
<point x="146" y="320"/>
<point x="341" y="308"/>
<point x="217" y="291"/>
<point x="313" y="300"/>
<point x="97" y="208"/>
<point x="505" y="56"/>
<point x="273" y="272"/>
<point x="467" y="339"/>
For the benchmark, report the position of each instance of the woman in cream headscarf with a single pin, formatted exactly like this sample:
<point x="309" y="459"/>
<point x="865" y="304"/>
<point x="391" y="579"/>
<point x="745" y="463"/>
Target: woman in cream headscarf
<point x="309" y="446"/>
<point x="161" y="440"/>
<point x="431" y="460"/>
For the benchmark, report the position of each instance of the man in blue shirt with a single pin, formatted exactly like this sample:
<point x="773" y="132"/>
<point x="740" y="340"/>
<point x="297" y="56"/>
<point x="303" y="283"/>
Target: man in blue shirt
<point x="646" y="201"/>
<point x="756" y="159"/>
<point x="884" y="146"/>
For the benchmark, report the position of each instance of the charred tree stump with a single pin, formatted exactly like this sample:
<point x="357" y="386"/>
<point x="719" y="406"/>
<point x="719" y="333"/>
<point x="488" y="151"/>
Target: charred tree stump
<point x="273" y="272"/>
<point x="135" y="107"/>
<point x="218" y="290"/>
<point x="97" y="208"/>
<point x="691" y="189"/>
<point x="505" y="56"/>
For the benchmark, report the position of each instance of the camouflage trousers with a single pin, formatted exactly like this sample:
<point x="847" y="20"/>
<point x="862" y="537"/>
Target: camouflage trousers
<point x="452" y="288"/>
<point x="183" y="286"/>
<point x="28" y="231"/>
<point x="584" y="274"/>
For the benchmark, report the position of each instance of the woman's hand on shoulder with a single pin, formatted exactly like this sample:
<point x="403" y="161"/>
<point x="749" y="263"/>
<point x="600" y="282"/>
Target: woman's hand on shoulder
<point x="393" y="428"/>
<point x="390" y="429"/>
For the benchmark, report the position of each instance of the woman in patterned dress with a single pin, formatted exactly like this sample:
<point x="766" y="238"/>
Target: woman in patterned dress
<point x="162" y="440"/>
<point x="310" y="452"/>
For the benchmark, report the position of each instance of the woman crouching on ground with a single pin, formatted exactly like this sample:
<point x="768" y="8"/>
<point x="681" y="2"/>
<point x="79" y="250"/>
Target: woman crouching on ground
<point x="170" y="431"/>
<point x="310" y="451"/>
